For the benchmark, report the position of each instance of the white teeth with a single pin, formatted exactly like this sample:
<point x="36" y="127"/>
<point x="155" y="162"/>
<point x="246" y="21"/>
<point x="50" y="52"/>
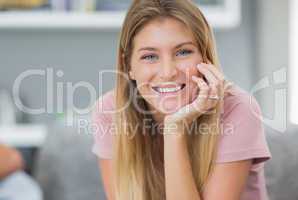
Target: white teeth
<point x="163" y="90"/>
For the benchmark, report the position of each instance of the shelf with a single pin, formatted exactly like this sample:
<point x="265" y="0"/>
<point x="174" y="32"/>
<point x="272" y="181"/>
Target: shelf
<point x="60" y="20"/>
<point x="221" y="17"/>
<point x="23" y="135"/>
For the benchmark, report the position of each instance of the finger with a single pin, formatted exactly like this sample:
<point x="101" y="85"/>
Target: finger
<point x="219" y="75"/>
<point x="210" y="63"/>
<point x="211" y="103"/>
<point x="212" y="80"/>
<point x="200" y="102"/>
<point x="213" y="92"/>
<point x="207" y="107"/>
<point x="203" y="105"/>
<point x="208" y="74"/>
<point x="203" y="86"/>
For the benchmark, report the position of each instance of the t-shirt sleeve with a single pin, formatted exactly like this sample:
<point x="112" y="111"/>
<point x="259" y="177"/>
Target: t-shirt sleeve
<point x="243" y="135"/>
<point x="102" y="129"/>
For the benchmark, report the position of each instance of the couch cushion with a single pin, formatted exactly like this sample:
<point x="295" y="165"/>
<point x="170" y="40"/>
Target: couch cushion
<point x="281" y="170"/>
<point x="66" y="169"/>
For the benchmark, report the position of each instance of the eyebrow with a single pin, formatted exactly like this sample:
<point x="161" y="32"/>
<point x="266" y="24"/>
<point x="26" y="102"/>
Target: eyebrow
<point x="176" y="47"/>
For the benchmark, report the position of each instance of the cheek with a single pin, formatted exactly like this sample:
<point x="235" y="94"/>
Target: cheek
<point x="189" y="66"/>
<point x="143" y="75"/>
<point x="189" y="71"/>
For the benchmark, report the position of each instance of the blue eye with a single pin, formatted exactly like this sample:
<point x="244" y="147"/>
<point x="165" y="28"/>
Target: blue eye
<point x="149" y="57"/>
<point x="184" y="52"/>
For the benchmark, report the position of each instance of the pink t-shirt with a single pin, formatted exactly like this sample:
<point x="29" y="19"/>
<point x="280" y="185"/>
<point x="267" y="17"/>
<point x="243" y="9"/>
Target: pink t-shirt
<point x="242" y="136"/>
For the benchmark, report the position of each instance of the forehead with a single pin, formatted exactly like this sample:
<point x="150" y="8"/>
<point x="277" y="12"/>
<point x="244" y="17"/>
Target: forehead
<point x="163" y="31"/>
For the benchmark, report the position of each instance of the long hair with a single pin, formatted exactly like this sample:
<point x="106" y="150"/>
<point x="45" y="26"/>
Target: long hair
<point x="138" y="156"/>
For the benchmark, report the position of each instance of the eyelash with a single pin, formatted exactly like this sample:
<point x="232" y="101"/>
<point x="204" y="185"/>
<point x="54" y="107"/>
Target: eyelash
<point x="183" y="50"/>
<point x="186" y="50"/>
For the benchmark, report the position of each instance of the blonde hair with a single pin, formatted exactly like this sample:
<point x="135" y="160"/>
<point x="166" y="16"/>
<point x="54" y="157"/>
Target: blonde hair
<point x="138" y="158"/>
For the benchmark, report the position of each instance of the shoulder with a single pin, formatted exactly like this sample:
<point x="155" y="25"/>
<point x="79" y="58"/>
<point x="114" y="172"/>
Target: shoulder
<point x="106" y="100"/>
<point x="242" y="133"/>
<point x="103" y="125"/>
<point x="240" y="104"/>
<point x="241" y="115"/>
<point x="105" y="105"/>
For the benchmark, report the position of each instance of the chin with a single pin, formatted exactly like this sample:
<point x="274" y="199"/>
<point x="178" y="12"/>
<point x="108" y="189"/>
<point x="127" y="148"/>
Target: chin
<point x="170" y="106"/>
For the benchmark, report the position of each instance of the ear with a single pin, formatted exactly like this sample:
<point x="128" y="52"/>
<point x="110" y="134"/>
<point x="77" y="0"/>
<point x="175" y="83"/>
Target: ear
<point x="131" y="75"/>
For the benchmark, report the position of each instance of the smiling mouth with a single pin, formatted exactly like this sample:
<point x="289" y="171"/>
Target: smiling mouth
<point x="167" y="90"/>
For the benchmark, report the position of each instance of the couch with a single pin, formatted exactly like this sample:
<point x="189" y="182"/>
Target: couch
<point x="67" y="170"/>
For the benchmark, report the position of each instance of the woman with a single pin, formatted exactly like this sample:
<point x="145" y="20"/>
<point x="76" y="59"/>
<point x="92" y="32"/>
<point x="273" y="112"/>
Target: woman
<point x="173" y="128"/>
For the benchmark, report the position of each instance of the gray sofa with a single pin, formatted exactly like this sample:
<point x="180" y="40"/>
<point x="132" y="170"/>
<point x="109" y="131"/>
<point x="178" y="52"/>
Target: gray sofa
<point x="67" y="170"/>
<point x="65" y="167"/>
<point x="281" y="171"/>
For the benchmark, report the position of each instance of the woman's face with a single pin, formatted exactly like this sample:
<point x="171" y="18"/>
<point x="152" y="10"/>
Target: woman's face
<point x="164" y="59"/>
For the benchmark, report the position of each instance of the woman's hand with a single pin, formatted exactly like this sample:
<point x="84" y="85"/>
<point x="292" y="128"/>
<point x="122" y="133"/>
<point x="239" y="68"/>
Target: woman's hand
<point x="210" y="93"/>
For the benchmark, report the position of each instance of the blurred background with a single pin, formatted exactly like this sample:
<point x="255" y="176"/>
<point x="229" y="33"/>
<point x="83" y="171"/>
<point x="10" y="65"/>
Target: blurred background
<point x="51" y="56"/>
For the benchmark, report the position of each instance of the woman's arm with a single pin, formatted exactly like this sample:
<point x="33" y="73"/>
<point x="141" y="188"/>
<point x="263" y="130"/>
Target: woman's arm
<point x="226" y="181"/>
<point x="105" y="166"/>
<point x="10" y="161"/>
<point x="178" y="174"/>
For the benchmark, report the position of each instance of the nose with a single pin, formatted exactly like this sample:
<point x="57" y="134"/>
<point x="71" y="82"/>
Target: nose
<point x="168" y="69"/>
